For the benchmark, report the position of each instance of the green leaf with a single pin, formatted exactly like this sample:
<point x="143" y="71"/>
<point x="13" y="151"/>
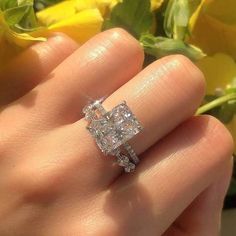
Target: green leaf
<point x="176" y="19"/>
<point x="19" y="15"/>
<point x="222" y="107"/>
<point x="161" y="46"/>
<point x="23" y="2"/>
<point x="159" y="18"/>
<point x="226" y="112"/>
<point x="132" y="15"/>
<point x="14" y="15"/>
<point x="29" y="21"/>
<point x="6" y="4"/>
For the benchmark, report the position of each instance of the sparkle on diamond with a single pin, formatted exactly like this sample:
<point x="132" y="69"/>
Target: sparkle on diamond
<point x="115" y="128"/>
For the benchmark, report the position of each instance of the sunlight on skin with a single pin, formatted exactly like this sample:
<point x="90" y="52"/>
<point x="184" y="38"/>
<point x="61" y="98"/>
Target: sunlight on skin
<point x="54" y="179"/>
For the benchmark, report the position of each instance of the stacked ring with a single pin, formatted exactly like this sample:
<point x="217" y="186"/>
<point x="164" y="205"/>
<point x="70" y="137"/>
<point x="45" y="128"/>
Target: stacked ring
<point x="112" y="130"/>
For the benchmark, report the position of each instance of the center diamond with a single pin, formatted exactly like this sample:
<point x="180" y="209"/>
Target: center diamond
<point x="114" y="129"/>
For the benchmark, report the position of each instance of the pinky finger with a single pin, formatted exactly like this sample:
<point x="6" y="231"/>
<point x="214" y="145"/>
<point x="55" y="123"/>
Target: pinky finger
<point x="171" y="175"/>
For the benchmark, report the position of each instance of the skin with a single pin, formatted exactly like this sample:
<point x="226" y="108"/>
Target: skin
<point x="55" y="181"/>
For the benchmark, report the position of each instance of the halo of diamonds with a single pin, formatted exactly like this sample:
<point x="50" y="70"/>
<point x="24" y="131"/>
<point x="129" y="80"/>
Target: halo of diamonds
<point x="112" y="130"/>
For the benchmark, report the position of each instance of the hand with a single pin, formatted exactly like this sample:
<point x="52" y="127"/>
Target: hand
<point x="55" y="181"/>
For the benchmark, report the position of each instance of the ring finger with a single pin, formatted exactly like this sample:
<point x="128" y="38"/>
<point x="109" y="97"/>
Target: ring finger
<point x="162" y="96"/>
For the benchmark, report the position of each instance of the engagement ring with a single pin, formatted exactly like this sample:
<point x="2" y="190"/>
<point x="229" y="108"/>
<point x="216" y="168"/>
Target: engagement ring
<point x="112" y="130"/>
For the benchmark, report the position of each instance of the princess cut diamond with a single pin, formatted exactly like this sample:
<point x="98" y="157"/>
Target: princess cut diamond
<point x="115" y="128"/>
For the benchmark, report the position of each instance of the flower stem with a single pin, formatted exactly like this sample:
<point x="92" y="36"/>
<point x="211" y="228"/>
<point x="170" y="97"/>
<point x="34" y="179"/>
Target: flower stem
<point x="217" y="102"/>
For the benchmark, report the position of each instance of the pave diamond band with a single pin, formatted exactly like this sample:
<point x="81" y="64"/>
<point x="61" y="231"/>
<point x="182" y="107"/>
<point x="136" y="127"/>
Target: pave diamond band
<point x="112" y="130"/>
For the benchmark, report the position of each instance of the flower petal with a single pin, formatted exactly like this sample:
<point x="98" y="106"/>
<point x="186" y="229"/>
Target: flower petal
<point x="155" y="4"/>
<point x="213" y="27"/>
<point x="56" y="13"/>
<point x="219" y="70"/>
<point x="81" y="26"/>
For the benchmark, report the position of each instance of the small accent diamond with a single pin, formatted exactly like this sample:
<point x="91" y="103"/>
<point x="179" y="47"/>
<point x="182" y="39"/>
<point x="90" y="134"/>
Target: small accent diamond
<point x="123" y="160"/>
<point x="129" y="167"/>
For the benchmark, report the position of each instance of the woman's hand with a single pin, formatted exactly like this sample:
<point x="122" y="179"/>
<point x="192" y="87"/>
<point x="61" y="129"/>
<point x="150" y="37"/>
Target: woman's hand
<point x="55" y="182"/>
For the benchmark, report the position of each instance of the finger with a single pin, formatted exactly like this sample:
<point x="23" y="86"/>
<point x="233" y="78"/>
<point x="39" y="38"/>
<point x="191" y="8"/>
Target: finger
<point x="162" y="96"/>
<point x="95" y="70"/>
<point x="170" y="86"/>
<point x="203" y="216"/>
<point x="172" y="174"/>
<point x="26" y="70"/>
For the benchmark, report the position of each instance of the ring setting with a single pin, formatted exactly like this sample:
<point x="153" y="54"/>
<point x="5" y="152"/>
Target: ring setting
<point x="112" y="130"/>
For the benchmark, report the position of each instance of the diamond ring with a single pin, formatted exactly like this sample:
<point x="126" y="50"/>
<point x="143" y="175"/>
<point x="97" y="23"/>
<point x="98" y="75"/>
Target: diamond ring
<point x="112" y="130"/>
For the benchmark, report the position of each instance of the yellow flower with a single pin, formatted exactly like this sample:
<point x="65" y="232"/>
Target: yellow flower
<point x="213" y="27"/>
<point x="79" y="19"/>
<point x="219" y="71"/>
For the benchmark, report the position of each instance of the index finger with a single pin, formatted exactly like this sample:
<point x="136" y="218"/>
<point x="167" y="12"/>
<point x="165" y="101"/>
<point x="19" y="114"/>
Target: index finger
<point x="27" y="69"/>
